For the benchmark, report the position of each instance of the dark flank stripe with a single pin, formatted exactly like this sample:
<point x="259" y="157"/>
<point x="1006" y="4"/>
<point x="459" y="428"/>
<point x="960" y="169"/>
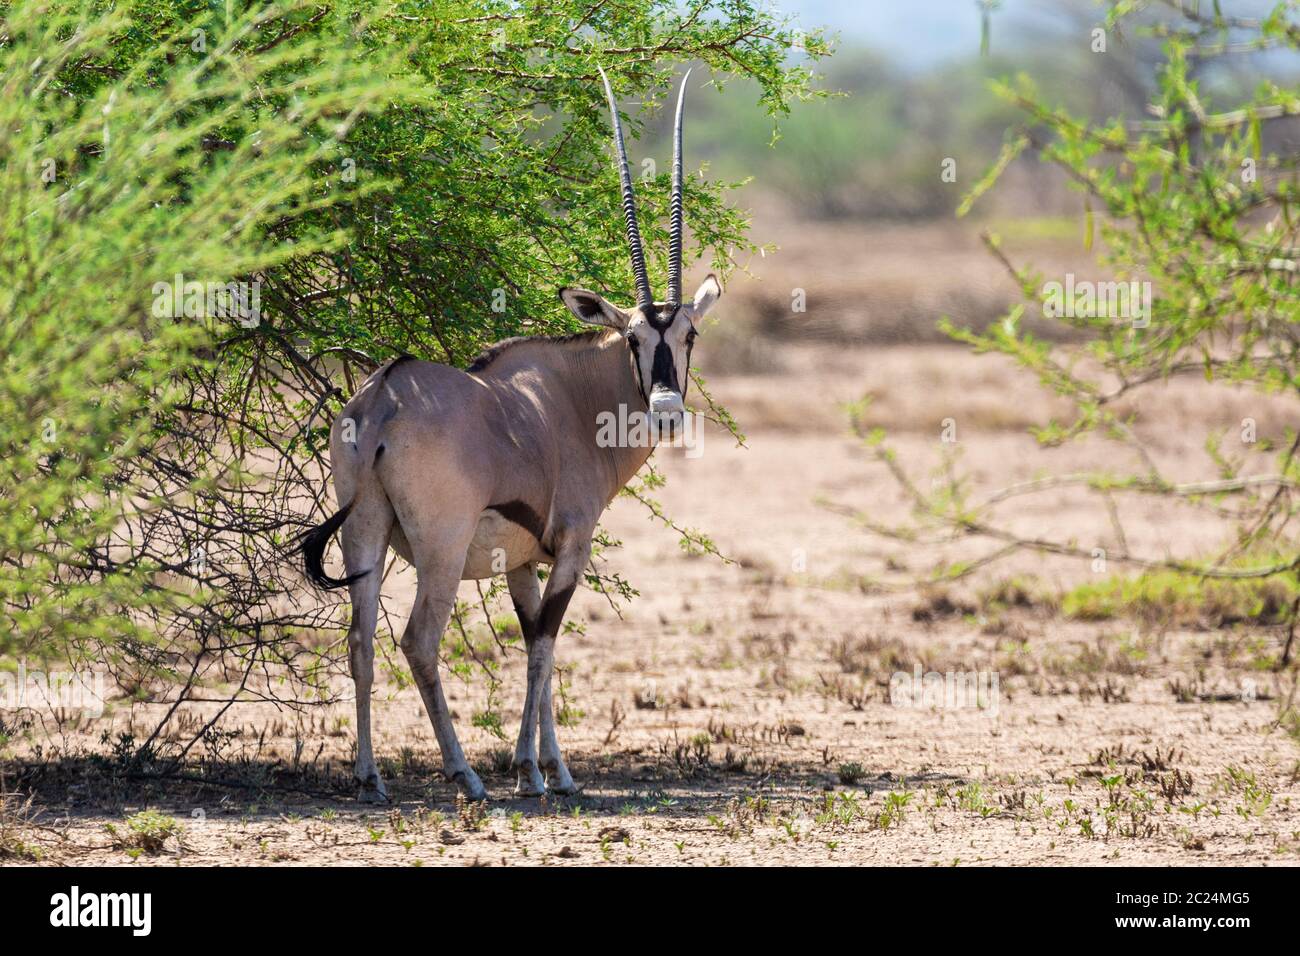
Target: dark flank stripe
<point x="522" y="514"/>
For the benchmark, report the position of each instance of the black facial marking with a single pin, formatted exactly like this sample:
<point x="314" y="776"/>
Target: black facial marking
<point x="378" y="451"/>
<point x="635" y="346"/>
<point x="663" y="372"/>
<point x="553" y="609"/>
<point x="661" y="325"/>
<point x="690" y="344"/>
<point x="522" y="514"/>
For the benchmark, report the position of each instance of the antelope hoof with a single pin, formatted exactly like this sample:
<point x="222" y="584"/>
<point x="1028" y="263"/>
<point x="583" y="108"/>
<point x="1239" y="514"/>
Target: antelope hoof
<point x="372" y="790"/>
<point x="529" y="782"/>
<point x="558" y="780"/>
<point x="470" y="785"/>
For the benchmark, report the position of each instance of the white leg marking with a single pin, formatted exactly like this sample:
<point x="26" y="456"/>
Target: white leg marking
<point x="557" y="774"/>
<point x="530" y="782"/>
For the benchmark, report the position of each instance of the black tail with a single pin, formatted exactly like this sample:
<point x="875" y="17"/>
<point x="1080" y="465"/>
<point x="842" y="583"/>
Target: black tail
<point x="313" y="545"/>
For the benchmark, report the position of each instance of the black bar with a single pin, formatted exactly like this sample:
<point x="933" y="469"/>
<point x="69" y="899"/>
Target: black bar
<point x="301" y="904"/>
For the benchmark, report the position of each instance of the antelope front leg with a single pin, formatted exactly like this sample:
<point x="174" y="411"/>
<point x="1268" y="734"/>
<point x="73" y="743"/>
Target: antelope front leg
<point x="529" y="782"/>
<point x="557" y="775"/>
<point x="527" y="597"/>
<point x="564" y="578"/>
<point x="539" y="710"/>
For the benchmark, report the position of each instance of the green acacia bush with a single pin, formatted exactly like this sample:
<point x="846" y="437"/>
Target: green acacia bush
<point x="1199" y="199"/>
<point x="417" y="177"/>
<point x="107" y="190"/>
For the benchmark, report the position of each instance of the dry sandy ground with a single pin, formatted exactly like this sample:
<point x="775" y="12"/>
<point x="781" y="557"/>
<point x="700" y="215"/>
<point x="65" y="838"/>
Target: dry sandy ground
<point x="742" y="713"/>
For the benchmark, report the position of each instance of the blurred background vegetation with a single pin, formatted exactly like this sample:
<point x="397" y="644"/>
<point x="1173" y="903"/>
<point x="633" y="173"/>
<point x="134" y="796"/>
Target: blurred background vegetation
<point x="915" y="88"/>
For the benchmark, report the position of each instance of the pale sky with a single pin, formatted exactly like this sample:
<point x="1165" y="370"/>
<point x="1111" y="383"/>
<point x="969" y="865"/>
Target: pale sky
<point x="920" y="33"/>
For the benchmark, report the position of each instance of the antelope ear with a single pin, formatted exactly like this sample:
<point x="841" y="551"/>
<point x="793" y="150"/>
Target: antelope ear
<point x="709" y="292"/>
<point x="593" y="309"/>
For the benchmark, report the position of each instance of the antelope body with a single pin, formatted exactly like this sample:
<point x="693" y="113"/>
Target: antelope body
<point x="468" y="474"/>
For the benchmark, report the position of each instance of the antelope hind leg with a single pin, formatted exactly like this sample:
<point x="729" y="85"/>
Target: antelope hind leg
<point x="434" y="599"/>
<point x="365" y="542"/>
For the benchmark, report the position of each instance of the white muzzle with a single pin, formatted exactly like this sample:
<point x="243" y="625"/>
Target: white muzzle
<point x="666" y="411"/>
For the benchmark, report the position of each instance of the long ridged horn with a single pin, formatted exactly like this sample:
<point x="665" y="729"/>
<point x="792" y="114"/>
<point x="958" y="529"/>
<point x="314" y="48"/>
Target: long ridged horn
<point x="644" y="297"/>
<point x="678" y="216"/>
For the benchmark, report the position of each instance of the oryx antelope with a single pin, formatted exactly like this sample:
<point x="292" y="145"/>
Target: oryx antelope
<point x="497" y="469"/>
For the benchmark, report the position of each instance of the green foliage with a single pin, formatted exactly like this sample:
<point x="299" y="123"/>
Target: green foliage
<point x="1194" y="207"/>
<point x="1166" y="598"/>
<point x="1200" y="204"/>
<point x="145" y="832"/>
<point x="498" y="185"/>
<point x="111" y="186"/>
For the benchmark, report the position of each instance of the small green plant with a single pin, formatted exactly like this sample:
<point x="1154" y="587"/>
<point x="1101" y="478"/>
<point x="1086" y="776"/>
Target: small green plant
<point x="851" y="773"/>
<point x="145" y="832"/>
<point x="895" y="808"/>
<point x="567" y="714"/>
<point x="971" y="797"/>
<point x="839" y="810"/>
<point x="1255" y="799"/>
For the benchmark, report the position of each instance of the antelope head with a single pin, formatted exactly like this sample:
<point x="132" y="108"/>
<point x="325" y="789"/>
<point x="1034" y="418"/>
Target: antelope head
<point x="659" y="335"/>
